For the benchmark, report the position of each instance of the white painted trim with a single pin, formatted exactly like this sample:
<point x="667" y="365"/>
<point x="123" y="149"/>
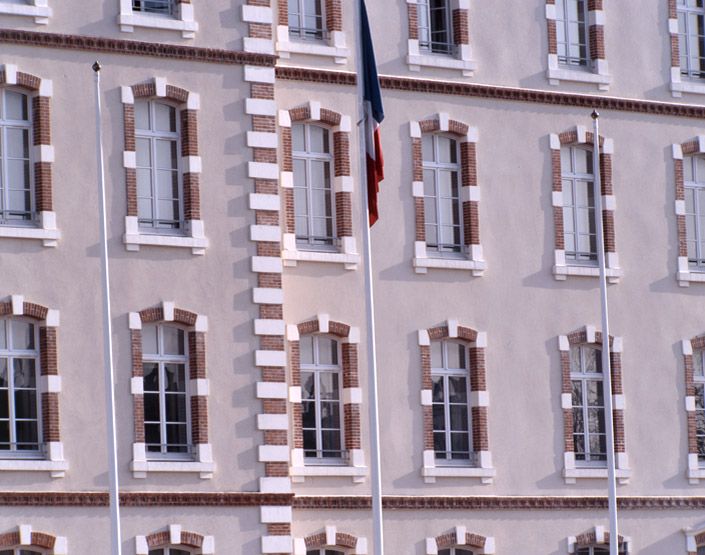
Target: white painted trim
<point x="291" y="258"/>
<point x="134" y="239"/>
<point x="134" y="321"/>
<point x="267" y="295"/>
<point x="261" y="201"/>
<point x="430" y="473"/>
<point x="140" y="469"/>
<point x="272" y="390"/>
<point x="257" y="74"/>
<point x="334" y="48"/>
<point x="421" y="265"/>
<point x="270" y="358"/>
<point x="300" y="473"/>
<point x="56" y="468"/>
<point x="183" y="21"/>
<point x="39" y="11"/>
<point x="274" y="485"/>
<point x="570" y="475"/>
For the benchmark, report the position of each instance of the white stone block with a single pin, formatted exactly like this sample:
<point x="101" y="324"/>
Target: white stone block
<point x="481" y="340"/>
<point x="269" y="327"/>
<point x="257" y="74"/>
<point x="17" y="302"/>
<point x="275" y="515"/>
<point x="260" y="107"/>
<point x="259" y="139"/>
<point x="431" y="546"/>
<point x="272" y="390"/>
<point x="259" y="201"/>
<point x="452" y="329"/>
<point x="270" y="358"/>
<point x="295" y="394"/>
<point x="175" y="534"/>
<point x="277" y="544"/>
<point x="352" y="395"/>
<point x="331" y="532"/>
<point x="137" y="385"/>
<point x="267" y="295"/>
<point x="267" y="264"/>
<point x="480" y="398"/>
<point x="566" y="401"/>
<point x="424" y="339"/>
<point x="323" y="323"/>
<point x="414" y="130"/>
<point x="262" y="170"/>
<point x="193" y="101"/>
<point x="257" y="14"/>
<point x="160" y="86"/>
<point x="275" y="485"/>
<point x="426" y="397"/>
<point x="266" y="233"/>
<point x="272" y="422"/>
<point x="53" y="318"/>
<point x="677" y="152"/>
<point x="273" y="453"/>
<point x="687" y="347"/>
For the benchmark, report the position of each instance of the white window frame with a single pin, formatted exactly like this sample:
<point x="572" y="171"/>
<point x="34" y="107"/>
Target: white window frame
<point x="182" y="20"/>
<point x="45" y="225"/>
<point x="460" y="57"/>
<point x="425" y="6"/>
<point x="567" y="38"/>
<point x="683" y="11"/>
<point x="445" y="373"/>
<point x="160" y="360"/>
<point x="584" y="378"/>
<point x="324" y="551"/>
<point x="153" y="137"/>
<point x="567" y="175"/>
<point x="317" y="369"/>
<point x="456" y="551"/>
<point x="307" y="157"/>
<point x="696" y="185"/>
<point x="38" y="9"/>
<point x="170" y="550"/>
<point x="301" y="6"/>
<point x="9" y="355"/>
<point x="436" y="167"/>
<point x="5" y="125"/>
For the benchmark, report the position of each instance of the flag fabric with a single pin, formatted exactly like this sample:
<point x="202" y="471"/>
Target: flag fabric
<point x="374" y="114"/>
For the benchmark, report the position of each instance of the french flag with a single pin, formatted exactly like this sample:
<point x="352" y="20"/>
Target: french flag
<point x="374" y="114"/>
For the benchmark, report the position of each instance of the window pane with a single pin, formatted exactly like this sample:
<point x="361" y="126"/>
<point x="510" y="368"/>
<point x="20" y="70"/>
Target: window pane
<point x="593" y="360"/>
<point x="583" y="161"/>
<point x="151" y="407"/>
<point x="24" y="374"/>
<point x="328" y="383"/>
<point x="144" y="154"/>
<point x="318" y="139"/>
<point x="176" y="435"/>
<point x="459" y="418"/>
<point x="439" y="418"/>
<point x="436" y="358"/>
<point x="594" y="393"/>
<point x="460" y="444"/>
<point x="327" y="351"/>
<point x="306" y="348"/>
<point x="297" y="135"/>
<point x="330" y="415"/>
<point x="141" y="115"/>
<point x="17" y="143"/>
<point x="16" y="106"/>
<point x="166" y="155"/>
<point x="173" y="340"/>
<point x="437" y="389"/>
<point x="26" y="404"/>
<point x="427" y="148"/>
<point x="151" y="376"/>
<point x="457" y="389"/>
<point x="149" y="340"/>
<point x="175" y="408"/>
<point x="308" y="414"/>
<point x="144" y="188"/>
<point x="3" y="335"/>
<point x="698" y="362"/>
<point x="164" y="117"/>
<point x="596" y="421"/>
<point x="175" y="375"/>
<point x="22" y="335"/>
<point x="456" y="355"/>
<point x="153" y="437"/>
<point x="577" y="393"/>
<point x="331" y="443"/>
<point x="27" y="435"/>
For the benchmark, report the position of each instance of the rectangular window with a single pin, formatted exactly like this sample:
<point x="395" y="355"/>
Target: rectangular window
<point x="451" y="410"/>
<point x="572" y="32"/>
<point x="164" y="7"/>
<point x="313" y="186"/>
<point x="435" y="26"/>
<point x="691" y="37"/>
<point x="442" y="207"/>
<point x="16" y="192"/>
<point x="306" y="19"/>
<point x="322" y="405"/>
<point x="166" y="404"/>
<point x="589" y="433"/>
<point x="19" y="397"/>
<point x="159" y="187"/>
<point x="699" y="385"/>
<point x="694" y="182"/>
<point x="578" y="205"/>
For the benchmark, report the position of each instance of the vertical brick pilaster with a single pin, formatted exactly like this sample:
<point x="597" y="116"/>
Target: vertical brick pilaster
<point x="417" y="171"/>
<point x="413" y="20"/>
<point x="43" y="180"/>
<point x="334" y="15"/>
<point x="461" y="34"/>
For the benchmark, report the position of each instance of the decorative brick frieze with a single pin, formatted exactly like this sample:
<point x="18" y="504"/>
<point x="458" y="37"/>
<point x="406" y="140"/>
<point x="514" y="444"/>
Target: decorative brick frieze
<point x="340" y="129"/>
<point x="562" y="268"/>
<point x="349" y="338"/>
<point x="421" y="55"/>
<point x="26" y="538"/>
<point x="469" y="195"/>
<point x="572" y="470"/>
<point x="174" y="536"/>
<point x="476" y="343"/>
<point x="597" y="64"/>
<point x="331" y="538"/>
<point x="596" y="537"/>
<point x="196" y="325"/>
<point x="460" y="537"/>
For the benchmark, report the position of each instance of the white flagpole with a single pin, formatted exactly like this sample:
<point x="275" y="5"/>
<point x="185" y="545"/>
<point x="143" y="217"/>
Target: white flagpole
<point x="606" y="366"/>
<point x="375" y="464"/>
<point x="116" y="540"/>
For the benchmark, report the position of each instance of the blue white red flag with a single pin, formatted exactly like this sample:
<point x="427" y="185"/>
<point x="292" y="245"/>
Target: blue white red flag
<point x="374" y="114"/>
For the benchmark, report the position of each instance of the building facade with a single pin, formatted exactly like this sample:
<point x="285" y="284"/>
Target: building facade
<point x="237" y="283"/>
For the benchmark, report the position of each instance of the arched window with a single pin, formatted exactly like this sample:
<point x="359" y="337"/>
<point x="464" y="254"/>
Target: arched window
<point x="442" y="205"/>
<point x="572" y="32"/>
<point x="321" y="397"/>
<point x="578" y="205"/>
<point x="166" y="403"/>
<point x="169" y="551"/>
<point x="159" y="184"/>
<point x="694" y="189"/>
<point x="452" y="439"/>
<point x="20" y="409"/>
<point x="17" y="204"/>
<point x="314" y="206"/>
<point x="455" y="551"/>
<point x="588" y="404"/>
<point x="324" y="552"/>
<point x="20" y="551"/>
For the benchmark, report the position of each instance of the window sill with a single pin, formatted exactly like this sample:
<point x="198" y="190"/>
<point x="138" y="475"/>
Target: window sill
<point x="477" y="267"/>
<point x="586" y="473"/>
<point x="57" y="469"/>
<point x="430" y="473"/>
<point x="556" y="75"/>
<point x="561" y="273"/>
<point x="417" y="61"/>
<point x="49" y="237"/>
<point x="141" y="468"/>
<point x="286" y="48"/>
<point x="685" y="278"/>
<point x="300" y="473"/>
<point x="41" y="14"/>
<point x="293" y="257"/>
<point x="133" y="239"/>
<point x="128" y="21"/>
<point x="690" y="85"/>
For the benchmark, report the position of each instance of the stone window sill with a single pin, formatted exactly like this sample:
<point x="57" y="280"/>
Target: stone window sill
<point x="133" y="239"/>
<point x="57" y="469"/>
<point x="685" y="278"/>
<point x="41" y="14"/>
<point x="556" y="75"/>
<point x="128" y="21"/>
<point x="286" y="48"/>
<point x="430" y="473"/>
<point x="417" y="61"/>
<point x="690" y="85"/>
<point x="293" y="257"/>
<point x="49" y="237"/>
<point x="300" y="473"/>
<point x="562" y="272"/>
<point x="477" y="267"/>
<point x="572" y="474"/>
<point x="141" y="468"/>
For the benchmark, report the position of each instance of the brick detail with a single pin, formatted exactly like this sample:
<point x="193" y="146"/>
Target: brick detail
<point x="41" y="540"/>
<point x="461" y="33"/>
<point x="48" y="351"/>
<point x="551" y="33"/>
<point x="450" y="539"/>
<point x="413" y="19"/>
<point x="162" y="539"/>
<point x="334" y="15"/>
<point x="597" y="42"/>
<point x="342" y="539"/>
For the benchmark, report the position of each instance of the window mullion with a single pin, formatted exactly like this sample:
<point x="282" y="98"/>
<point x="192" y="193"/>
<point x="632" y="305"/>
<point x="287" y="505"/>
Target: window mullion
<point x="153" y="154"/>
<point x="446" y="401"/>
<point x="11" y="399"/>
<point x="309" y="201"/>
<point x="162" y="408"/>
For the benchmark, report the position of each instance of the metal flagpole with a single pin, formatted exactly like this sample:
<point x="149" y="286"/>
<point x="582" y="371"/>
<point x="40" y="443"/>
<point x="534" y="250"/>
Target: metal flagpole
<point x="116" y="540"/>
<point x="606" y="366"/>
<point x="375" y="464"/>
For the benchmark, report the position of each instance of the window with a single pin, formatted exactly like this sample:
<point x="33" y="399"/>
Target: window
<point x="322" y="552"/>
<point x="454" y="551"/>
<point x="166" y="406"/>
<point x="694" y="188"/>
<point x="435" y="26"/>
<point x="165" y="7"/>
<point x="571" y="31"/>
<point x="16" y="194"/>
<point x="701" y="550"/>
<point x="699" y="386"/>
<point x="451" y="422"/>
<point x="169" y="551"/>
<point x="19" y="552"/>
<point x="313" y="194"/>
<point x="159" y="198"/>
<point x="321" y="383"/>
<point x="20" y="431"/>
<point x="600" y="551"/>
<point x="691" y="37"/>
<point x="578" y="205"/>
<point x="442" y="207"/>
<point x="306" y="19"/>
<point x="589" y="433"/>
